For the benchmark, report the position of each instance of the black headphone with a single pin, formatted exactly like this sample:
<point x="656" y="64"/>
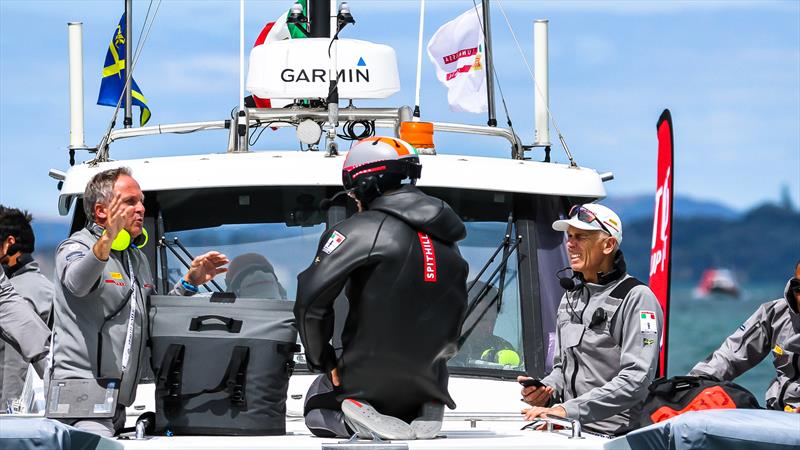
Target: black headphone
<point x="571" y="284"/>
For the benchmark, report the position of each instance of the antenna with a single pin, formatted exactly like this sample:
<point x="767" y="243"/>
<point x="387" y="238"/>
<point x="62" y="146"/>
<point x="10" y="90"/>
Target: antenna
<point x="76" y="137"/>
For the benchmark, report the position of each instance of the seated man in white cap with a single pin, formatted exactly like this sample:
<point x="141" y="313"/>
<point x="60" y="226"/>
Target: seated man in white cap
<point x="609" y="327"/>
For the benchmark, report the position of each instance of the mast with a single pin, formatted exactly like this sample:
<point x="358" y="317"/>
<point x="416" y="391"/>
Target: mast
<point x="487" y="41"/>
<point x="128" y="121"/>
<point x="319" y="12"/>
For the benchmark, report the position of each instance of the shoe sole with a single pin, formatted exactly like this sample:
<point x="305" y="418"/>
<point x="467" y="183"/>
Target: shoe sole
<point x="429" y="423"/>
<point x="365" y="417"/>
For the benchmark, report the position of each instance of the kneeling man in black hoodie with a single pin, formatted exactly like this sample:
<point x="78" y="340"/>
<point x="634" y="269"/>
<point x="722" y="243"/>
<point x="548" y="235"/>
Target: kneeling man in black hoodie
<point x="405" y="281"/>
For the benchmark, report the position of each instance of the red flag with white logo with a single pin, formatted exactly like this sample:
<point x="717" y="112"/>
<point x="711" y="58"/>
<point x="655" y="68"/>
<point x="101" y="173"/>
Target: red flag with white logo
<point x="661" y="244"/>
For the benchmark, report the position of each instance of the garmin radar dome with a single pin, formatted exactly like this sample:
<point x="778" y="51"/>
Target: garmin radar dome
<point x="378" y="164"/>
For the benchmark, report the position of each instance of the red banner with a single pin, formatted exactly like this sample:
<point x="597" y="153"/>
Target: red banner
<point x="661" y="245"/>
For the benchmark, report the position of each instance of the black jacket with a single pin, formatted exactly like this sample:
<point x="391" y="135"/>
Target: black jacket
<point x="405" y="310"/>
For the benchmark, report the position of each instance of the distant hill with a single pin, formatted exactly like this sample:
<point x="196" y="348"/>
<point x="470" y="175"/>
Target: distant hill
<point x="637" y="207"/>
<point x="761" y="245"/>
<point x="758" y="245"/>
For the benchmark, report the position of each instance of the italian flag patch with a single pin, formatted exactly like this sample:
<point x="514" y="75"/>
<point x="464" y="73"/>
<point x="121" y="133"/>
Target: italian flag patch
<point x="647" y="322"/>
<point x="334" y="241"/>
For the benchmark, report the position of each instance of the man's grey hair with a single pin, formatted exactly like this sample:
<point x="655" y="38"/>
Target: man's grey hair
<point x="101" y="189"/>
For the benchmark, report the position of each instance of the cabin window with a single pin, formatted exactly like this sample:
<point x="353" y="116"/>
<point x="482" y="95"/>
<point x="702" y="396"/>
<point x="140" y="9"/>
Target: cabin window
<point x="495" y="340"/>
<point x="265" y="257"/>
<point x="269" y="234"/>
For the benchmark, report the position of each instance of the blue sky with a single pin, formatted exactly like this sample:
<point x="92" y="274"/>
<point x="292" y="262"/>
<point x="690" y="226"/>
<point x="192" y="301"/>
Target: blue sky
<point x="728" y="71"/>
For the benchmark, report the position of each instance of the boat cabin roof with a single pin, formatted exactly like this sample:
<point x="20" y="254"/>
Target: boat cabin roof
<point x="314" y="168"/>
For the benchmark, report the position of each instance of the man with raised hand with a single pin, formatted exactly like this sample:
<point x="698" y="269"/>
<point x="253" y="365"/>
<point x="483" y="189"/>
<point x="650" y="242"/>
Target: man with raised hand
<point x="103" y="281"/>
<point x="609" y="326"/>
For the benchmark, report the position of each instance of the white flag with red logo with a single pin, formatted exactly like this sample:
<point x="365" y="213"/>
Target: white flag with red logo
<point x="457" y="51"/>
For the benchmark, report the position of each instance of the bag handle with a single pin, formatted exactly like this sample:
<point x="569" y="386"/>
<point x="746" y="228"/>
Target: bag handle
<point x="229" y="324"/>
<point x="664" y="387"/>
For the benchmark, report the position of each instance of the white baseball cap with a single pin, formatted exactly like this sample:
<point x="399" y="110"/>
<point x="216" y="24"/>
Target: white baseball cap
<point x="592" y="216"/>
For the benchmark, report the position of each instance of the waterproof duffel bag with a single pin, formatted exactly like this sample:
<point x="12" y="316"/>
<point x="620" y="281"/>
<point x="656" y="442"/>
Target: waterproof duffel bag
<point x="222" y="364"/>
<point x="669" y="397"/>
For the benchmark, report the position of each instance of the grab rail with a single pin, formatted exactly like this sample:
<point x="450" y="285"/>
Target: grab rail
<point x="282" y="117"/>
<point x="566" y="422"/>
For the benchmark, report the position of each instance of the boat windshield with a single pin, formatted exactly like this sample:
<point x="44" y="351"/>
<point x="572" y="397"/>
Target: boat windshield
<point x="495" y="340"/>
<point x="265" y="257"/>
<point x="269" y="246"/>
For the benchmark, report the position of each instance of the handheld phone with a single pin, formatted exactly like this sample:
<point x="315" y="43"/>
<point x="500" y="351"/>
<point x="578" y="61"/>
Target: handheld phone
<point x="532" y="382"/>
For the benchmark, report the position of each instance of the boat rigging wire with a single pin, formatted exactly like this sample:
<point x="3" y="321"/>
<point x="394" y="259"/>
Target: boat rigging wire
<point x="535" y="84"/>
<point x="519" y="152"/>
<point x="102" y="148"/>
<point x="263" y="125"/>
<point x="416" y="114"/>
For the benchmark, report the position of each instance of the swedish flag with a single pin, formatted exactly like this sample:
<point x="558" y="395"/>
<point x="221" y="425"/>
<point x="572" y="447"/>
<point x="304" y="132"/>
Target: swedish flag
<point x="114" y="73"/>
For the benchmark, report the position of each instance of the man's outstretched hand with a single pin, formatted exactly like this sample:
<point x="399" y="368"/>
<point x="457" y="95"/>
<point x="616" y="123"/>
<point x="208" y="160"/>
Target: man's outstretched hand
<point x="205" y="267"/>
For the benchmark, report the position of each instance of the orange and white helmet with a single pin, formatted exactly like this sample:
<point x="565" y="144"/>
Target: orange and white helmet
<point x="376" y="164"/>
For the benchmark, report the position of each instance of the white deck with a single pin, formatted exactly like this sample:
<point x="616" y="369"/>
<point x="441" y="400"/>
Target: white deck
<point x="455" y="435"/>
<point x="487" y="416"/>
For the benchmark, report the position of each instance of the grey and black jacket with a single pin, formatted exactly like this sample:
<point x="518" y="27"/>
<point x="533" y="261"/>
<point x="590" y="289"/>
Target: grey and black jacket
<point x="20" y="325"/>
<point x="607" y="350"/>
<point x="92" y="309"/>
<point x="773" y="329"/>
<point x="37" y="290"/>
<point x="406" y="285"/>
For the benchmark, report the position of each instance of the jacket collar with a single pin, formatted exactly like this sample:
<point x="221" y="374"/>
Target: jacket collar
<point x="618" y="270"/>
<point x="95" y="229"/>
<point x="24" y="263"/>
<point x="794" y="315"/>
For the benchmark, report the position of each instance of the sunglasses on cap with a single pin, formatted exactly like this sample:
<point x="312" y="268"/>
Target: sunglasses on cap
<point x="586" y="216"/>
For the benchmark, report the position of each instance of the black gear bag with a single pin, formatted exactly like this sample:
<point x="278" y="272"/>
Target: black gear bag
<point x="670" y="397"/>
<point x="221" y="367"/>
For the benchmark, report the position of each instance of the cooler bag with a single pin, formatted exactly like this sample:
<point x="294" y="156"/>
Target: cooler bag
<point x="222" y="364"/>
<point x="669" y="397"/>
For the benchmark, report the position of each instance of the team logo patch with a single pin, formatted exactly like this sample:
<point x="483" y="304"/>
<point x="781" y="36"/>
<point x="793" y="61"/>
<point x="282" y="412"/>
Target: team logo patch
<point x="647" y="321"/>
<point x="428" y="257"/>
<point x="333" y="243"/>
<point x="116" y="275"/>
<point x="73" y="256"/>
<point x="778" y="350"/>
<point x="648" y="341"/>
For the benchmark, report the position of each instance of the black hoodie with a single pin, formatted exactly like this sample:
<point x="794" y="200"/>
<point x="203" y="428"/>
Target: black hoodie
<point x="406" y="284"/>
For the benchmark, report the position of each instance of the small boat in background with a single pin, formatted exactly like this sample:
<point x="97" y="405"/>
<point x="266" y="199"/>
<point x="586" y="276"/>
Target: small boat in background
<point x="717" y="282"/>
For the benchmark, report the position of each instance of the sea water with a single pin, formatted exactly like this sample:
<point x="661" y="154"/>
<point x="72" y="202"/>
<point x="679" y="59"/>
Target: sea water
<point x="699" y="326"/>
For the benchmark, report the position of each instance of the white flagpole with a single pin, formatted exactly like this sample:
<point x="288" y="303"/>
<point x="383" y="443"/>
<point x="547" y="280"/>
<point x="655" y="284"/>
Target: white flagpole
<point x="241" y="55"/>
<point x="419" y="58"/>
